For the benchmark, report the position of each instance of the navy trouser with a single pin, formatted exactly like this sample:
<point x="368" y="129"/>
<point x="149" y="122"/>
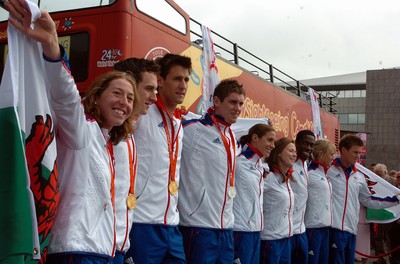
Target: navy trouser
<point x="208" y="246"/>
<point x="318" y="245"/>
<point x="119" y="258"/>
<point x="342" y="247"/>
<point x="77" y="258"/>
<point x="299" y="248"/>
<point x="275" y="251"/>
<point x="155" y="244"/>
<point x="247" y="247"/>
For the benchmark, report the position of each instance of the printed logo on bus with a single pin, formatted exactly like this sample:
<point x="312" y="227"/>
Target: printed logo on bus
<point x="68" y="23"/>
<point x="157" y="52"/>
<point x="109" y="57"/>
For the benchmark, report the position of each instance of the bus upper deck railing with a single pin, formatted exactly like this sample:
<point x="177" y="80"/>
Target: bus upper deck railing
<point x="233" y="52"/>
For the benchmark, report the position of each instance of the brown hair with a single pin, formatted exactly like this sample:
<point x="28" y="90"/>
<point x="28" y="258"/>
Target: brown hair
<point x="171" y="60"/>
<point x="97" y="88"/>
<point x="259" y="129"/>
<point x="273" y="158"/>
<point x="136" y="66"/>
<point x="226" y="87"/>
<point x="349" y="140"/>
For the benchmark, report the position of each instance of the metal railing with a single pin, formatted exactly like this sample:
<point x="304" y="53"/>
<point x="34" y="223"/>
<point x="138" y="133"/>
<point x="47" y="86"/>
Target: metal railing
<point x="232" y="52"/>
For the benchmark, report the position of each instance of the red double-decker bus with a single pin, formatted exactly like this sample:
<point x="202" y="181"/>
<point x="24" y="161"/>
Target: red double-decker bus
<point x="97" y="34"/>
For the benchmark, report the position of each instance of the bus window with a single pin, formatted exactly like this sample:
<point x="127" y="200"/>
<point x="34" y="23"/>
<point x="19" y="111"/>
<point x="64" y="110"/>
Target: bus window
<point x="54" y="6"/>
<point x="163" y="12"/>
<point x="4" y="13"/>
<point x="77" y="49"/>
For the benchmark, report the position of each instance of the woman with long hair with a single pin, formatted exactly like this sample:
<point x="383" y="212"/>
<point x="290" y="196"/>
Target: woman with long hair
<point x="278" y="204"/>
<point x="318" y="217"/>
<point x="248" y="203"/>
<point x="84" y="227"/>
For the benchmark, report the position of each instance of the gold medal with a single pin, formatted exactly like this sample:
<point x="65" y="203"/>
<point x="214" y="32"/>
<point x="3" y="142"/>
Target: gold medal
<point x="131" y="201"/>
<point x="231" y="192"/>
<point x="173" y="188"/>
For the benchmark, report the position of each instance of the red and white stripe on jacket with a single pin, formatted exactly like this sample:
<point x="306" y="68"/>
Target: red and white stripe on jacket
<point x="300" y="191"/>
<point x="348" y="191"/>
<point x="278" y="207"/>
<point x="248" y="203"/>
<point x="155" y="205"/>
<point x="319" y="202"/>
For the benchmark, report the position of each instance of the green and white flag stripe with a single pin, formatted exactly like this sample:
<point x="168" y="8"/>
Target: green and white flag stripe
<point x="17" y="219"/>
<point x="380" y="188"/>
<point x="29" y="189"/>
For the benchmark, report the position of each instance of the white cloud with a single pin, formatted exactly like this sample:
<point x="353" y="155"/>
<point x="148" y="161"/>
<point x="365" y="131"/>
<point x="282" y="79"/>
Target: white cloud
<point x="308" y="38"/>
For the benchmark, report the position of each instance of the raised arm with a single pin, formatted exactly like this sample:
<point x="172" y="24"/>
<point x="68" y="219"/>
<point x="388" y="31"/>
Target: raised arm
<point x="44" y="30"/>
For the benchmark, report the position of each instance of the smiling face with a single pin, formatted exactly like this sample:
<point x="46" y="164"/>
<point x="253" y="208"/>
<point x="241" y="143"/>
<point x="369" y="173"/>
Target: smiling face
<point x="287" y="157"/>
<point x="147" y="89"/>
<point x="116" y="103"/>
<point x="305" y="147"/>
<point x="173" y="88"/>
<point x="264" y="144"/>
<point x="230" y="108"/>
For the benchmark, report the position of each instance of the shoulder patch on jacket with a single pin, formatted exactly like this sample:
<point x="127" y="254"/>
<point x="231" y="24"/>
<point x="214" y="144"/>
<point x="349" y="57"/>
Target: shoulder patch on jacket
<point x="217" y="141"/>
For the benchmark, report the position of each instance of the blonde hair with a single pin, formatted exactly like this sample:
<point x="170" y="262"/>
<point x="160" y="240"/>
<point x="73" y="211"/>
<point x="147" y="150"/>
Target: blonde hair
<point x="325" y="147"/>
<point x="97" y="88"/>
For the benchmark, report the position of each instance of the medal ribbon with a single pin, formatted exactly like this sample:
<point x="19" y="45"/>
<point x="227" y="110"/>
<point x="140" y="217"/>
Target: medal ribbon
<point x="173" y="157"/>
<point x="111" y="162"/>
<point x="132" y="165"/>
<point x="231" y="165"/>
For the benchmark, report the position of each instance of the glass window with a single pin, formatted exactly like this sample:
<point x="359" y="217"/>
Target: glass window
<point x="163" y="12"/>
<point x="357" y="93"/>
<point x="363" y="93"/>
<point x="344" y="118"/>
<point x="361" y="118"/>
<point x="352" y="118"/>
<point x="340" y="94"/>
<point x="53" y="6"/>
<point x="348" y="94"/>
<point x="77" y="48"/>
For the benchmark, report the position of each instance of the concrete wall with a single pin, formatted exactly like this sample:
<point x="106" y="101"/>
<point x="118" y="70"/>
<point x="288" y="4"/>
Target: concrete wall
<point x="382" y="111"/>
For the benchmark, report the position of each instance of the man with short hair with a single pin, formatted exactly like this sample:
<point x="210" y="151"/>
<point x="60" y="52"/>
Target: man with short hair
<point x="305" y="140"/>
<point x="349" y="189"/>
<point x="207" y="178"/>
<point x="145" y="74"/>
<point x="155" y="237"/>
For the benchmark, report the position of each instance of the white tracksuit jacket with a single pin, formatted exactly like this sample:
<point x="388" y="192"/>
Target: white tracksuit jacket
<point x="203" y="198"/>
<point x="348" y="191"/>
<point x="122" y="185"/>
<point x="278" y="207"/>
<point x="248" y="203"/>
<point x="85" y="218"/>
<point x="319" y="202"/>
<point x="155" y="205"/>
<point x="299" y="187"/>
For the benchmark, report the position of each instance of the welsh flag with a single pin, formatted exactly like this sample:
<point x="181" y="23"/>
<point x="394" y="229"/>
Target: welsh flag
<point x="380" y="188"/>
<point x="29" y="191"/>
